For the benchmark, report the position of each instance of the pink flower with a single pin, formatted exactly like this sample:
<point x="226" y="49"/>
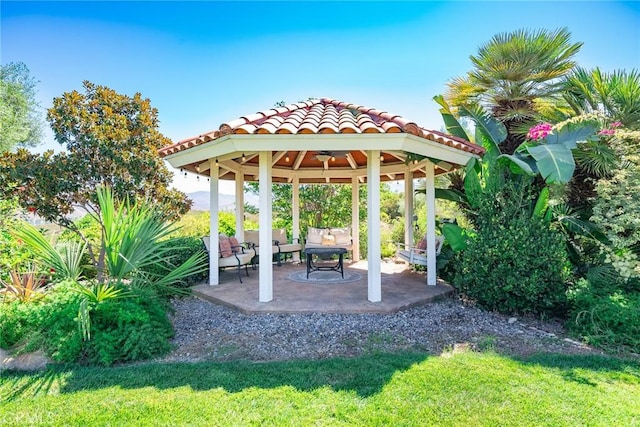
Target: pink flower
<point x="607" y="132"/>
<point x="540" y="131"/>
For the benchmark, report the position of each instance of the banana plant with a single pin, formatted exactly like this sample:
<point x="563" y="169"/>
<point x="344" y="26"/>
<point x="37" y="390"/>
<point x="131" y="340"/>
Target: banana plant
<point x="551" y="155"/>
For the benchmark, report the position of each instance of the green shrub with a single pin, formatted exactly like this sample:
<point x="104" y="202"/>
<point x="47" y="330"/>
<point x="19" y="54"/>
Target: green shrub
<point x="520" y="267"/>
<point x="606" y="315"/>
<point x="126" y="329"/>
<point x="48" y="323"/>
<point x="12" y="253"/>
<point x="17" y="319"/>
<point x="182" y="249"/>
<point x="514" y="262"/>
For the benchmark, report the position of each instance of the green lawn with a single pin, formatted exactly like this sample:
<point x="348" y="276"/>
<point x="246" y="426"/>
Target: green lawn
<point x="382" y="389"/>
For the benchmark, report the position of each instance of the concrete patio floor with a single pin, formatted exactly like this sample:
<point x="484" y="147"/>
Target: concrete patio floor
<point x="401" y="289"/>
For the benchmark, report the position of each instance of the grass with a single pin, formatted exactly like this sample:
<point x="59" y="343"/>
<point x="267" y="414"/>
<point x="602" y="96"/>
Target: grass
<point x="379" y="389"/>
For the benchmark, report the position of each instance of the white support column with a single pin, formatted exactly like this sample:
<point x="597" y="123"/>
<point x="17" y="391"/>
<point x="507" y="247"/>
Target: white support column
<point x="373" y="226"/>
<point x="214" y="273"/>
<point x="240" y="206"/>
<point x="431" y="223"/>
<point x="295" y="203"/>
<point x="408" y="206"/>
<point x="355" y="217"/>
<point x="265" y="293"/>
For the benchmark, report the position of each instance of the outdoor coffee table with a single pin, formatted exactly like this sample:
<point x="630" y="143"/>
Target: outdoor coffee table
<point x="310" y="252"/>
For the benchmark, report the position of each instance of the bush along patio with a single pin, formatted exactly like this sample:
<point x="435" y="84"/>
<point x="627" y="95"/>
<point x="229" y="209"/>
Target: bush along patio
<point x="549" y="206"/>
<point x="111" y="312"/>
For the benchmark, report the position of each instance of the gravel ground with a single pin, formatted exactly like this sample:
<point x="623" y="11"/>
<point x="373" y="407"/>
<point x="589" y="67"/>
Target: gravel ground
<point x="205" y="331"/>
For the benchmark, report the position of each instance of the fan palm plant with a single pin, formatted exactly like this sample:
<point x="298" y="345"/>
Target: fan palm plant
<point x="616" y="94"/>
<point x="511" y="73"/>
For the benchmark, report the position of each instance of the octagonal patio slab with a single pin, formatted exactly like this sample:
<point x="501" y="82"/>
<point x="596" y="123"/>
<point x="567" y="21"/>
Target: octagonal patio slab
<point x="401" y="289"/>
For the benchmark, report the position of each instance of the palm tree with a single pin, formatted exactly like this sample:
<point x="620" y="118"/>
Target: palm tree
<point x="616" y="94"/>
<point x="512" y="72"/>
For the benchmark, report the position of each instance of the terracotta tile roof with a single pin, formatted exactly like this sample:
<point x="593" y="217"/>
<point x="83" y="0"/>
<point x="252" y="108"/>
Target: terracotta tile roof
<point x="322" y="116"/>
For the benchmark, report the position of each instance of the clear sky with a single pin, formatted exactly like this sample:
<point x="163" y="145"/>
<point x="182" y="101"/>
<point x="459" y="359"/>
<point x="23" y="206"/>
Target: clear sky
<point x="205" y="63"/>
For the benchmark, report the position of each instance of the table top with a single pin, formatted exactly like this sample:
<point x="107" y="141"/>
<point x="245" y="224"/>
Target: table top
<point x="325" y="250"/>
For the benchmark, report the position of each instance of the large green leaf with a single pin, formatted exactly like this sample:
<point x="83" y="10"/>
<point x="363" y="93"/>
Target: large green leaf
<point x="452" y="195"/>
<point x="572" y="133"/>
<point x="519" y="164"/>
<point x="542" y="203"/>
<point x="494" y="131"/>
<point x="472" y="186"/>
<point x="555" y="162"/>
<point x="450" y="122"/>
<point x="455" y="236"/>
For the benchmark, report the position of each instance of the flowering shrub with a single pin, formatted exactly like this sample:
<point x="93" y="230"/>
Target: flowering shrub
<point x="540" y="131"/>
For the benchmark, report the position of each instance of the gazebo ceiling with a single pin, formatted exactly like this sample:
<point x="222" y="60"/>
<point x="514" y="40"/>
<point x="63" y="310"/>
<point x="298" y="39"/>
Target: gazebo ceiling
<point x="320" y="141"/>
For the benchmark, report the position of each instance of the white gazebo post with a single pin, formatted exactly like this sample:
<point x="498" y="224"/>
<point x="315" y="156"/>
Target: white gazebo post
<point x="295" y="203"/>
<point x="214" y="274"/>
<point x="408" y="206"/>
<point x="265" y="293"/>
<point x="355" y="218"/>
<point x="240" y="206"/>
<point x="431" y="223"/>
<point x="373" y="226"/>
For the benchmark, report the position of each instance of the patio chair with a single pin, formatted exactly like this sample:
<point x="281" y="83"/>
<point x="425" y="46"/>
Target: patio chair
<point x="281" y="246"/>
<point x="231" y="253"/>
<point x="417" y="255"/>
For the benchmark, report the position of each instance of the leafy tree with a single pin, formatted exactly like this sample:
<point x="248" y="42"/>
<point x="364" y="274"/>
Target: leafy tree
<point x="20" y="119"/>
<point x="112" y="140"/>
<point x="326" y="205"/>
<point x="512" y="73"/>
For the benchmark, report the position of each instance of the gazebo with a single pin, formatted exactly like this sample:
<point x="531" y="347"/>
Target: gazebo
<point x="322" y="141"/>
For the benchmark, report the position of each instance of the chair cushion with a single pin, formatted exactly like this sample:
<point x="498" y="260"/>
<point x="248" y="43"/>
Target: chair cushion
<point x="232" y="261"/>
<point x="225" y="248"/>
<point x="234" y="242"/>
<point x="252" y="236"/>
<point x="279" y="234"/>
<point x="291" y="247"/>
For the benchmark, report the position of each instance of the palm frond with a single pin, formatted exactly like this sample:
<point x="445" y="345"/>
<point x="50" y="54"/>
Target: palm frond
<point x="596" y="157"/>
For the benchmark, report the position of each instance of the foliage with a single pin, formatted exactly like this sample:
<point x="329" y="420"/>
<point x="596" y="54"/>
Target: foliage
<point x="607" y="314"/>
<point x="409" y="388"/>
<point x="320" y="205"/>
<point x="12" y="253"/>
<point x="550" y="153"/>
<point x="136" y="237"/>
<point x="179" y="250"/>
<point x="500" y="269"/>
<point x="64" y="261"/>
<point x="196" y="224"/>
<point x="20" y="119"/>
<point x="110" y="139"/>
<point x="25" y="286"/>
<point x="616" y="94"/>
<point x="511" y="72"/>
<point x="17" y="320"/>
<point x="132" y="328"/>
<point x="616" y="211"/>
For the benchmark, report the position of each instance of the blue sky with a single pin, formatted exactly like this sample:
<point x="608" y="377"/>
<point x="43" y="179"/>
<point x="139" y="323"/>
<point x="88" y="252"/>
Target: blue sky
<point x="204" y="63"/>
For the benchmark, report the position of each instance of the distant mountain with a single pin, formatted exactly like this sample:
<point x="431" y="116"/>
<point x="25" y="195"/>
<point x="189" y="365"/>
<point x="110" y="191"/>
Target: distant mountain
<point x="227" y="202"/>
